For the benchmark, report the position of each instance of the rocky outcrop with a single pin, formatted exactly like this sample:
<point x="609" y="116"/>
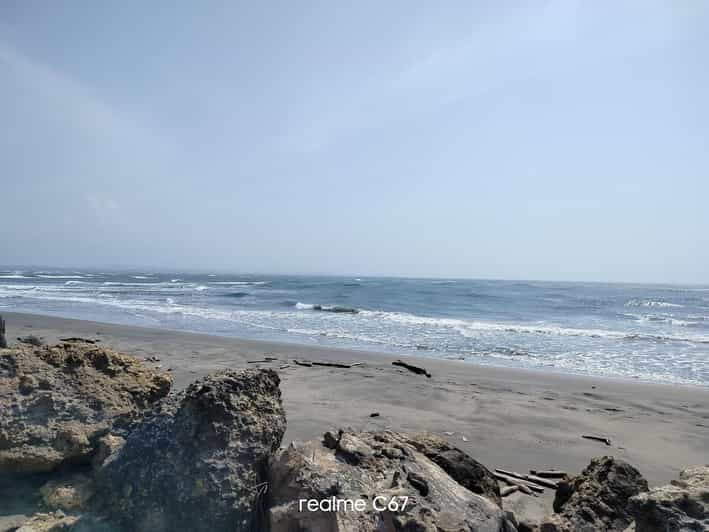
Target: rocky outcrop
<point x="395" y="486"/>
<point x="462" y="468"/>
<point x="56" y="402"/>
<point x="597" y="499"/>
<point x="49" y="522"/>
<point x="70" y="494"/>
<point x="682" y="506"/>
<point x="198" y="462"/>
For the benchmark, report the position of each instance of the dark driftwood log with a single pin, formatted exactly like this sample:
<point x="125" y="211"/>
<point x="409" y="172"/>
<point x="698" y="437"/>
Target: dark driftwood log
<point x="3" y="340"/>
<point x="333" y="365"/>
<point x="311" y="363"/>
<point x="602" y="439"/>
<point x="79" y="340"/>
<point x="412" y="368"/>
<point x="550" y="473"/>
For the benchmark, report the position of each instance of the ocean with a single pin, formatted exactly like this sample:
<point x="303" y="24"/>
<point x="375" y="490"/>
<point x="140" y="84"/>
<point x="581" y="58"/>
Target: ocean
<point x="649" y="332"/>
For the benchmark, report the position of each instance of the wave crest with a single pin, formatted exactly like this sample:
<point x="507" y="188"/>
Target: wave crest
<point x="649" y="303"/>
<point x="327" y="308"/>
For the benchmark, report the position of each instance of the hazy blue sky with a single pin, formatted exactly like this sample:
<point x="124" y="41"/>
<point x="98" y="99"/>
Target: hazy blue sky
<point x="543" y="140"/>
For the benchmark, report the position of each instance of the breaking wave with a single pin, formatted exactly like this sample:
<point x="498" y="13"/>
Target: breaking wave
<point x="473" y="328"/>
<point x="326" y="308"/>
<point x="645" y="303"/>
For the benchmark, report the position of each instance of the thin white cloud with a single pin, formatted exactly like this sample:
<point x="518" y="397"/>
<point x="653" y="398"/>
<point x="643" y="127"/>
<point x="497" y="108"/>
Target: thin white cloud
<point x="68" y="105"/>
<point x="519" y="44"/>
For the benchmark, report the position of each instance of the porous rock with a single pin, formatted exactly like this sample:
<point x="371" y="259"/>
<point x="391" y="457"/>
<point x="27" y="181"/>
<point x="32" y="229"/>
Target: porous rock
<point x="55" y="402"/>
<point x="368" y="465"/>
<point x="597" y="499"/>
<point x="682" y="506"/>
<point x="105" y="447"/>
<point x="49" y="522"/>
<point x="70" y="493"/>
<point x="198" y="461"/>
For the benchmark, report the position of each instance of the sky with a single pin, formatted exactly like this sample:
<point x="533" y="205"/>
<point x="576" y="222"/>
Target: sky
<point x="554" y="140"/>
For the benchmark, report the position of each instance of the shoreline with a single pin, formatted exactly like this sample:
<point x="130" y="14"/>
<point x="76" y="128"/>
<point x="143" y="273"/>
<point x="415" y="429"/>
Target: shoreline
<point x="511" y="418"/>
<point x="256" y="344"/>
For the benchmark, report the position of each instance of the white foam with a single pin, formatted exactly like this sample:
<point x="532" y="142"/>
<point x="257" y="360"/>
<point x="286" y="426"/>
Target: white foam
<point x="238" y="283"/>
<point x="646" y="303"/>
<point x="473" y="328"/>
<point x="61" y="276"/>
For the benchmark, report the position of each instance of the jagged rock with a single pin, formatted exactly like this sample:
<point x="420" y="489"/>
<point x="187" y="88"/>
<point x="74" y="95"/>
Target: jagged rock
<point x="55" y="402"/>
<point x="70" y="494"/>
<point x="3" y="339"/>
<point x="682" y="506"/>
<point x="49" y="522"/>
<point x="105" y="447"/>
<point x="198" y="461"/>
<point x="597" y="499"/>
<point x="529" y="511"/>
<point x="460" y="467"/>
<point x="31" y="340"/>
<point x="369" y="467"/>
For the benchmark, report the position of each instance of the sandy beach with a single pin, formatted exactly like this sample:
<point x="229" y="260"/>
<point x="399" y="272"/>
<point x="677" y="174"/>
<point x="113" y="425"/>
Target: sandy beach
<point x="506" y="418"/>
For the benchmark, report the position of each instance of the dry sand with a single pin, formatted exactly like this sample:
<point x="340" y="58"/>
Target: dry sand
<point x="506" y="418"/>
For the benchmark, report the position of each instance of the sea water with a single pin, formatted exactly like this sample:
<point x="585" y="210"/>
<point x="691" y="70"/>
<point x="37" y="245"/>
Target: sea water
<point x="649" y="332"/>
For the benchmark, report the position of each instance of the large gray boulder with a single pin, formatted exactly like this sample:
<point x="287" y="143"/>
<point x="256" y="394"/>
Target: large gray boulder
<point x="373" y="468"/>
<point x="56" y="402"/>
<point x="597" y="499"/>
<point x="199" y="461"/>
<point x="461" y="467"/>
<point x="682" y="506"/>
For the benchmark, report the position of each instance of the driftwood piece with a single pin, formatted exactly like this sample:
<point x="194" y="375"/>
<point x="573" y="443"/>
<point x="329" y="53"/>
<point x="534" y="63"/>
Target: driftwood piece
<point x="601" y="439"/>
<point x="77" y="339"/>
<point x="530" y="478"/>
<point x="333" y="365"/>
<point x="524" y="485"/>
<point x="542" y="481"/>
<point x="311" y="363"/>
<point x="412" y="368"/>
<point x="521" y="486"/>
<point x="508" y="490"/>
<point x="3" y="340"/>
<point x="264" y="361"/>
<point x="549" y="473"/>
